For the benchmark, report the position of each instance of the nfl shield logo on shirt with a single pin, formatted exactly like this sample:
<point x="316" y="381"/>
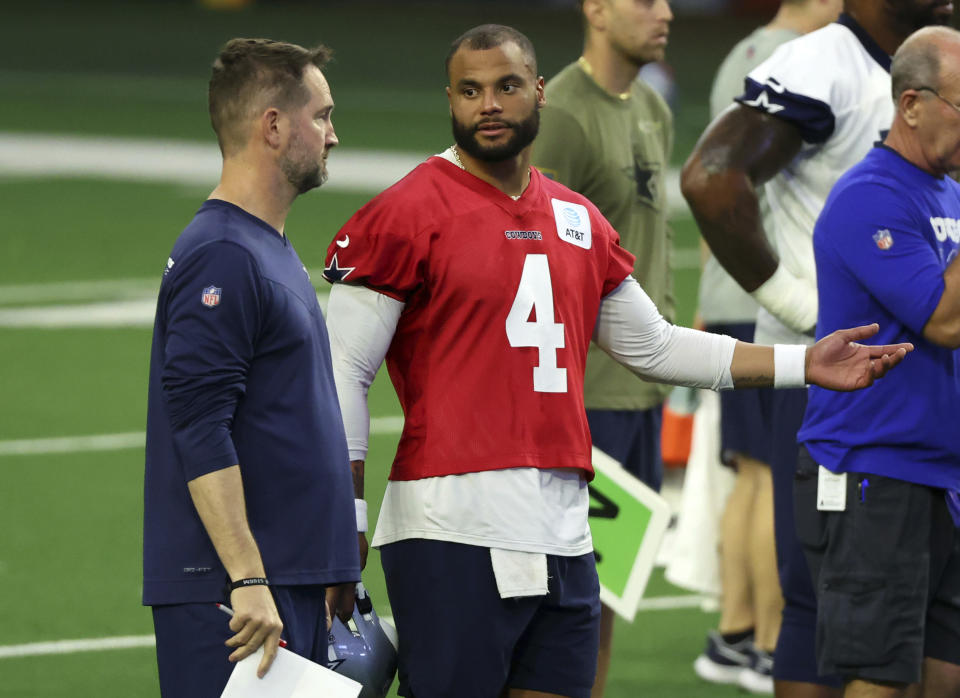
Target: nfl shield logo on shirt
<point x="211" y="296"/>
<point x="884" y="239"/>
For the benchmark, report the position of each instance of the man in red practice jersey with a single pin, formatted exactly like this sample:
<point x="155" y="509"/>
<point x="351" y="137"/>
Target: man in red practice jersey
<point x="482" y="283"/>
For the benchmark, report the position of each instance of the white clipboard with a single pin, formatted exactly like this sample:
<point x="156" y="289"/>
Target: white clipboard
<point x="290" y="676"/>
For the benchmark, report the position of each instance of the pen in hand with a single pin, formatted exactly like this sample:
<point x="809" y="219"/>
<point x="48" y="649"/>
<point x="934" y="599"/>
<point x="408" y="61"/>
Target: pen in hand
<point x="229" y="611"/>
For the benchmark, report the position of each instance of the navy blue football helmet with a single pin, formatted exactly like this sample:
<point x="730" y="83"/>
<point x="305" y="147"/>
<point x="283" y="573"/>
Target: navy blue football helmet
<point x="365" y="648"/>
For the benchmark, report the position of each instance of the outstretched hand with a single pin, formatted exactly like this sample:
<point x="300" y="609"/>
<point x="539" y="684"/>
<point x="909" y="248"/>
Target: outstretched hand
<point x="838" y="362"/>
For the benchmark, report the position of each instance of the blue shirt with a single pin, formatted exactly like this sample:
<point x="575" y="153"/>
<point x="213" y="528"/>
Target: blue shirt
<point x="882" y="243"/>
<point x="240" y="373"/>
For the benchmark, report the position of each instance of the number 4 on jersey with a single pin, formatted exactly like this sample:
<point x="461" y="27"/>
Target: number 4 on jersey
<point x="535" y="295"/>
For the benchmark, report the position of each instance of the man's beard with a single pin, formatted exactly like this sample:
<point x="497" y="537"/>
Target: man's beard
<point x="304" y="174"/>
<point x="523" y="134"/>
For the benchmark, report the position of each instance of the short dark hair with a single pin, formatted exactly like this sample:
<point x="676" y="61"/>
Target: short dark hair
<point x="252" y="74"/>
<point x="488" y="36"/>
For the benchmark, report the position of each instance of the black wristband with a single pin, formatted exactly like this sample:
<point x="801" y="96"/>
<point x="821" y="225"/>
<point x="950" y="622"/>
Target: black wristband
<point x="249" y="582"/>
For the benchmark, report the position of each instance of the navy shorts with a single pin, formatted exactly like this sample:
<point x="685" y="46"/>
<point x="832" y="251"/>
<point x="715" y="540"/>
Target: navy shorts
<point x="745" y="413"/>
<point x="796" y="657"/>
<point x="459" y="638"/>
<point x="887" y="575"/>
<point x="632" y="438"/>
<point x="192" y="659"/>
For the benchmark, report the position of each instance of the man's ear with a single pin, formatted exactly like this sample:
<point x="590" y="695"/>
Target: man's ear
<point x="271" y="127"/>
<point x="595" y="13"/>
<point x="910" y="106"/>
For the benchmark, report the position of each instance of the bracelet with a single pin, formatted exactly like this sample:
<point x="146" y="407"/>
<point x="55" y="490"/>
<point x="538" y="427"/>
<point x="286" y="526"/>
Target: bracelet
<point x="789" y="365"/>
<point x="249" y="582"/>
<point x="361" y="507"/>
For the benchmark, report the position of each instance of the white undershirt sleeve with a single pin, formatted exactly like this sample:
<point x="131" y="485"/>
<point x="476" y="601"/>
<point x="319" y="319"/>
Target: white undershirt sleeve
<point x="361" y="324"/>
<point x="630" y="328"/>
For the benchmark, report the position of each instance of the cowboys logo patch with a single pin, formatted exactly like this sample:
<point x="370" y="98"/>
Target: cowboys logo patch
<point x="211" y="296"/>
<point x="335" y="272"/>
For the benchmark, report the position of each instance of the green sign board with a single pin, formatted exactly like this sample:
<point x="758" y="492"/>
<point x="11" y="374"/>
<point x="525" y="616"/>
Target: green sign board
<point x="627" y="521"/>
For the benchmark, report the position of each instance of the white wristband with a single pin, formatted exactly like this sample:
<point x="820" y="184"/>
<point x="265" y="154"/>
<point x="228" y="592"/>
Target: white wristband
<point x="792" y="300"/>
<point x="361" y="506"/>
<point x="789" y="365"/>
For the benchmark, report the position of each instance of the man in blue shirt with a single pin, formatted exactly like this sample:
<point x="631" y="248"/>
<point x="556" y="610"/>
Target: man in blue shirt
<point x="878" y="468"/>
<point x="247" y="472"/>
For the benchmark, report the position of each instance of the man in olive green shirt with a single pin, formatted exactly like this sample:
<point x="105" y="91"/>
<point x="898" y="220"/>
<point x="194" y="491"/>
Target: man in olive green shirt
<point x="608" y="136"/>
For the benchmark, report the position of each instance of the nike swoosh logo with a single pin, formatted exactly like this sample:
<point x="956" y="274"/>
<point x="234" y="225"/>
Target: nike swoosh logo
<point x="344" y="242"/>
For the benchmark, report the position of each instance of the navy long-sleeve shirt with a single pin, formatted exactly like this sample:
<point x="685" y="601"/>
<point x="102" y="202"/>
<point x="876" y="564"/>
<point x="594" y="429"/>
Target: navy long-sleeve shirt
<point x="240" y="374"/>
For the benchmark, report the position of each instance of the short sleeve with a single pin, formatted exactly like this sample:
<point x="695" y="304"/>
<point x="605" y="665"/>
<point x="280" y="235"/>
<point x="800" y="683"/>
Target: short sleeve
<point x="878" y="236"/>
<point x="560" y="148"/>
<point x="379" y="247"/>
<point x="211" y="308"/>
<point x="796" y="84"/>
<point x="619" y="259"/>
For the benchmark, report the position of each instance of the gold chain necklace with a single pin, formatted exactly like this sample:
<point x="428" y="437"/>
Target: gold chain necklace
<point x="456" y="156"/>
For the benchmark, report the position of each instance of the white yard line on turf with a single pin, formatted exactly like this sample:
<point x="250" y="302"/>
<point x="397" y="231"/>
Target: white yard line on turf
<point x="137" y="313"/>
<point x="32" y="649"/>
<point x="61" y="291"/>
<point x="96" y="290"/>
<point x="73" y="444"/>
<point x="186" y="162"/>
<point x="131" y="440"/>
<point x="124" y="313"/>
<point x="177" y="162"/>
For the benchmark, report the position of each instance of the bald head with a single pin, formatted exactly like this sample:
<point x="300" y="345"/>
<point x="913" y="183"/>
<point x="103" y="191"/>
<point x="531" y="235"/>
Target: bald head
<point x="919" y="62"/>
<point x="926" y="84"/>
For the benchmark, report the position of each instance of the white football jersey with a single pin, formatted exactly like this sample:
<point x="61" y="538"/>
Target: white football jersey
<point x="834" y="86"/>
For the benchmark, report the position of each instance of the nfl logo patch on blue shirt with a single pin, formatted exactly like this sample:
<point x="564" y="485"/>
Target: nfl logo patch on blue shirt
<point x="884" y="239"/>
<point x="211" y="296"/>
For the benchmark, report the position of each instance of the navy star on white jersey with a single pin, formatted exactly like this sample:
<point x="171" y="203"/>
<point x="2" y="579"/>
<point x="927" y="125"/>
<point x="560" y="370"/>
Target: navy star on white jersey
<point x="335" y="272"/>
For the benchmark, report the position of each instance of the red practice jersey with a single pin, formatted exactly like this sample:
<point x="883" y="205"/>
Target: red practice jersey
<point x="501" y="298"/>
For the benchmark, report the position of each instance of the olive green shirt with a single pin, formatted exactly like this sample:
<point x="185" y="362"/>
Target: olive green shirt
<point x="614" y="150"/>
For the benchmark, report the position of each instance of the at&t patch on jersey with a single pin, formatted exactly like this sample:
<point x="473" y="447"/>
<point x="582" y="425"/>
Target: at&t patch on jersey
<point x="211" y="296"/>
<point x="883" y="238"/>
<point x="573" y="223"/>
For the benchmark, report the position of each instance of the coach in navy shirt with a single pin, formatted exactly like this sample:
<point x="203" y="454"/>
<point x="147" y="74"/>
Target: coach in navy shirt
<point x="248" y="494"/>
<point x="879" y="471"/>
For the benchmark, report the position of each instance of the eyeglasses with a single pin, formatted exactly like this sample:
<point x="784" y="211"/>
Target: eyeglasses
<point x="939" y="96"/>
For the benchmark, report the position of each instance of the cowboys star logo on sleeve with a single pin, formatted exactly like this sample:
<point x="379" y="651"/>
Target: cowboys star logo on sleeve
<point x="763" y="102"/>
<point x="335" y="272"/>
